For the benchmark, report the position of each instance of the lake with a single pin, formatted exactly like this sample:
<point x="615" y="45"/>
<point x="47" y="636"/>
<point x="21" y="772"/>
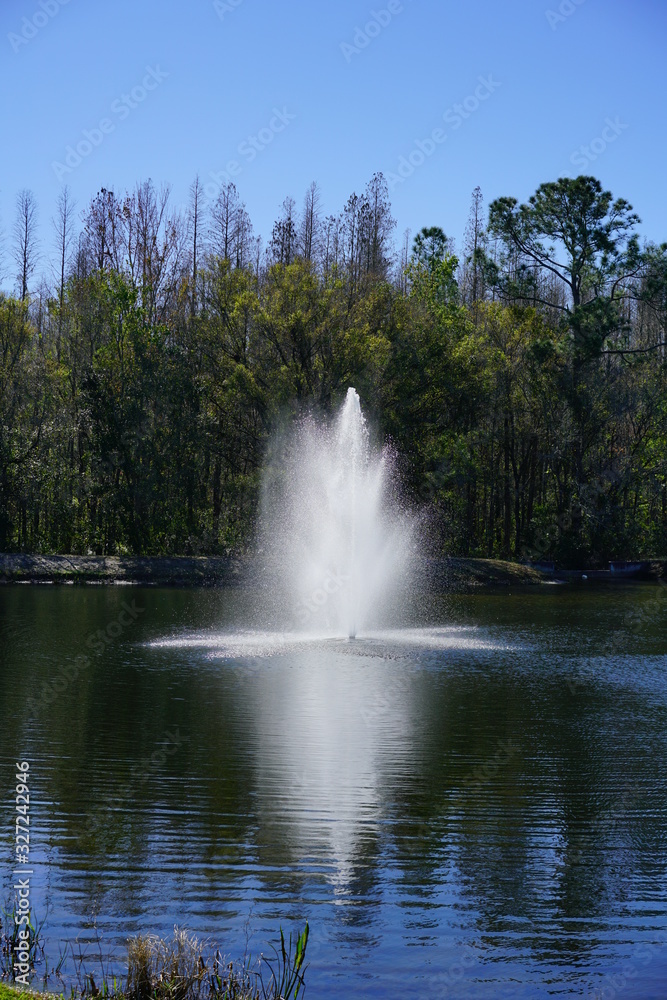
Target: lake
<point x="471" y="806"/>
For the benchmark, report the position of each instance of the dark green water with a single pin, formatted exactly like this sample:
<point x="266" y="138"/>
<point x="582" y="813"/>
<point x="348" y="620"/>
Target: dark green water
<point x="473" y="810"/>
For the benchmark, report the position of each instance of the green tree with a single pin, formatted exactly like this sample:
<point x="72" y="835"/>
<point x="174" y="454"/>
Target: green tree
<point x="577" y="232"/>
<point x="24" y="411"/>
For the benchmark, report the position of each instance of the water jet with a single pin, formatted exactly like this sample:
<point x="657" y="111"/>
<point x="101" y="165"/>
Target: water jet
<point x="336" y="541"/>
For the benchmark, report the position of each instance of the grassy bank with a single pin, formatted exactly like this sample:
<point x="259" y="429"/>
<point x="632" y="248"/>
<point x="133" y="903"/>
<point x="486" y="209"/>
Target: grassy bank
<point x="472" y="574"/>
<point x="9" y="993"/>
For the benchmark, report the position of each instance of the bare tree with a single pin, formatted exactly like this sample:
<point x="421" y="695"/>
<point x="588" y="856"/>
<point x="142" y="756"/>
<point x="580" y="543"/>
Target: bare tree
<point x="310" y="225"/>
<point x="195" y="230"/>
<point x="283" y="246"/>
<point x="351" y="224"/>
<point x="367" y="227"/>
<point x="103" y="228"/>
<point x="81" y="261"/>
<point x="257" y="259"/>
<point x="2" y="253"/>
<point x="379" y="250"/>
<point x="331" y="243"/>
<point x="402" y="276"/>
<point x="230" y="233"/>
<point x="245" y="241"/>
<point x="474" y="246"/>
<point x="153" y="246"/>
<point x="63" y="228"/>
<point x="224" y="223"/>
<point x="26" y="246"/>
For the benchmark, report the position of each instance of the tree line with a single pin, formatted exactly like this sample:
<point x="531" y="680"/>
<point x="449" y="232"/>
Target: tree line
<point x="147" y="361"/>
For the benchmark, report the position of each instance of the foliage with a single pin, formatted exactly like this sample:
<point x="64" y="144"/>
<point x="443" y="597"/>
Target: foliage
<point x="524" y="388"/>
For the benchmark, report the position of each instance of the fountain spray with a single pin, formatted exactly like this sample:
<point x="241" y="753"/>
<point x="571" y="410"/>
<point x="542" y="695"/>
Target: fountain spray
<point x="337" y="544"/>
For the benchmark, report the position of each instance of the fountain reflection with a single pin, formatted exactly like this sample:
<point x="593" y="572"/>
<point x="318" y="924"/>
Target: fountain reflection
<point x="322" y="771"/>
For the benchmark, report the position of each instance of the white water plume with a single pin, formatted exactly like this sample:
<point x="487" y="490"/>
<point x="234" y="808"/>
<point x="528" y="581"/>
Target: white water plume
<point x="336" y="542"/>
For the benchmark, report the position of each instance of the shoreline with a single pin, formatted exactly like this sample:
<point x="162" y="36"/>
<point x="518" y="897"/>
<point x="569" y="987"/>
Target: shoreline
<point x="451" y="573"/>
<point x="155" y="571"/>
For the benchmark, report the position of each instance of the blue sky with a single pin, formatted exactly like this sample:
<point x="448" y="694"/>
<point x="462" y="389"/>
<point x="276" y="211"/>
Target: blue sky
<point x="326" y="103"/>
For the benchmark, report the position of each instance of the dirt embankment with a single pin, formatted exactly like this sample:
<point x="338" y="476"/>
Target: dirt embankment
<point x="177" y="571"/>
<point x="211" y="571"/>
<point x="452" y="574"/>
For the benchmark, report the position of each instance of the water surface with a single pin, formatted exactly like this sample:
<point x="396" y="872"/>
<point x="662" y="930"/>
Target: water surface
<point x="474" y="807"/>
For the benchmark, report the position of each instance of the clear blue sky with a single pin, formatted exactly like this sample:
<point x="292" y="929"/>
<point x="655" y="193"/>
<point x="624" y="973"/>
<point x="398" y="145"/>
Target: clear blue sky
<point x="554" y="84"/>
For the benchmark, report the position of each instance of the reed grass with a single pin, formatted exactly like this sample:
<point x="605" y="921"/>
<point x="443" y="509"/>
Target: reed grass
<point x="182" y="967"/>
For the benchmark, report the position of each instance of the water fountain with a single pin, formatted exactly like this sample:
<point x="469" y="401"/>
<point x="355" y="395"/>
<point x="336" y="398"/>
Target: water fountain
<point x="336" y="542"/>
<point x="337" y="557"/>
<point x="321" y="656"/>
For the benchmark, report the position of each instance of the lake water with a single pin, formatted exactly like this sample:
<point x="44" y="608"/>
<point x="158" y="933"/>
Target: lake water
<point x="472" y="807"/>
